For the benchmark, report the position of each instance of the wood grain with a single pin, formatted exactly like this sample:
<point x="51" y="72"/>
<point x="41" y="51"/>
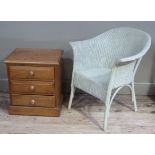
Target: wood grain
<point x="32" y="87"/>
<point x="34" y="111"/>
<point x="34" y="81"/>
<point x="34" y="56"/>
<point x="31" y="73"/>
<point x="34" y="100"/>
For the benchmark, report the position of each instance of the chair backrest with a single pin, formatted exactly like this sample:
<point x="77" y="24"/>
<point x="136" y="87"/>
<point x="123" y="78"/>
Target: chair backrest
<point x="106" y="49"/>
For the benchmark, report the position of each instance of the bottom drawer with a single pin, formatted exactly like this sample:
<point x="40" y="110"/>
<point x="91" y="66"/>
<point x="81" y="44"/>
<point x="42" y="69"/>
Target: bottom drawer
<point x="34" y="111"/>
<point x="34" y="100"/>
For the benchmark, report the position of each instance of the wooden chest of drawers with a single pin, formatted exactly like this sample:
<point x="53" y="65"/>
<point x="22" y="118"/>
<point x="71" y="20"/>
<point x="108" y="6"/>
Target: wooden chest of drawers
<point x="34" y="81"/>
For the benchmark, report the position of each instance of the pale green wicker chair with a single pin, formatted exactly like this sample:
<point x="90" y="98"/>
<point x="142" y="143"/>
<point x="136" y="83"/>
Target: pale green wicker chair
<point x="106" y="63"/>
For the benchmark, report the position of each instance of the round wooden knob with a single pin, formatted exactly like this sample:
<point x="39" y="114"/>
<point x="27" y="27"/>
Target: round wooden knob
<point x="33" y="101"/>
<point x="31" y="73"/>
<point x="32" y="88"/>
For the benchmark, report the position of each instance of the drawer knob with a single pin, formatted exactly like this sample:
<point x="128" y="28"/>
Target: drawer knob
<point x="33" y="102"/>
<point x="32" y="88"/>
<point x="31" y="73"/>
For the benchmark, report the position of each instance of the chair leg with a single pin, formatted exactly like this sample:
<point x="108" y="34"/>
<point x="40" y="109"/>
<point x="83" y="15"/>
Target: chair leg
<point x="134" y="96"/>
<point x="71" y="97"/>
<point x="107" y="109"/>
<point x="106" y="115"/>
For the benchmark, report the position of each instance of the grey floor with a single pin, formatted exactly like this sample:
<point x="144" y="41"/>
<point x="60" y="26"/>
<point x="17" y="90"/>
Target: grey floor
<point x="86" y="116"/>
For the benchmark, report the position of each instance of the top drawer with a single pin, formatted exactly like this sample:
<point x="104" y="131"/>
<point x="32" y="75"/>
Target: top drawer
<point x="32" y="73"/>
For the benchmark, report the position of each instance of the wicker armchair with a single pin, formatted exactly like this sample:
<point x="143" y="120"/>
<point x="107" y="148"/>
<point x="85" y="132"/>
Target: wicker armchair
<point x="106" y="63"/>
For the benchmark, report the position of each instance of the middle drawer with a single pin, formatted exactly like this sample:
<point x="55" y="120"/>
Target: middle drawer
<point x="32" y="87"/>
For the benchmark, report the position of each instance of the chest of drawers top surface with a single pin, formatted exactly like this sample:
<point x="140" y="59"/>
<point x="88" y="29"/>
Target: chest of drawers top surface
<point x="34" y="56"/>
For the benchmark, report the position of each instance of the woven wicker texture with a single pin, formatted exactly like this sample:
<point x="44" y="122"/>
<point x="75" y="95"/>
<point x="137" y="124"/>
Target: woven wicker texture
<point x="107" y="62"/>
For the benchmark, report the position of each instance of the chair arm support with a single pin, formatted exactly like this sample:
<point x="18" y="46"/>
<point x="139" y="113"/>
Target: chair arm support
<point x="123" y="73"/>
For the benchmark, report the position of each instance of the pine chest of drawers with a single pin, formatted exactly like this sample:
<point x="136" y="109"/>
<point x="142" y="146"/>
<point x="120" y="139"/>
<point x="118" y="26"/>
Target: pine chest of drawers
<point x="34" y="81"/>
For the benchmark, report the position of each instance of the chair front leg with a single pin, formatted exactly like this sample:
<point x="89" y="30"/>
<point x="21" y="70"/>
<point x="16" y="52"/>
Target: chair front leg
<point x="106" y="115"/>
<point x="71" y="96"/>
<point x="134" y="96"/>
<point x="107" y="109"/>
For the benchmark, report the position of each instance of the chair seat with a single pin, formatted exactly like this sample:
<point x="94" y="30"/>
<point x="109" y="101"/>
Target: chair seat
<point x="94" y="81"/>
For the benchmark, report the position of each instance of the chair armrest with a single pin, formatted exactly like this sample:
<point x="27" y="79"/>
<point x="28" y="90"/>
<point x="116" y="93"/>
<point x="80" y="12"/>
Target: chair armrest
<point x="137" y="56"/>
<point x="128" y="60"/>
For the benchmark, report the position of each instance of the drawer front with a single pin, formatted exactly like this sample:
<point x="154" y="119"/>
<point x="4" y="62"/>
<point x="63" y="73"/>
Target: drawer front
<point x="34" y="111"/>
<point x="32" y="87"/>
<point x="33" y="100"/>
<point x="32" y="73"/>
